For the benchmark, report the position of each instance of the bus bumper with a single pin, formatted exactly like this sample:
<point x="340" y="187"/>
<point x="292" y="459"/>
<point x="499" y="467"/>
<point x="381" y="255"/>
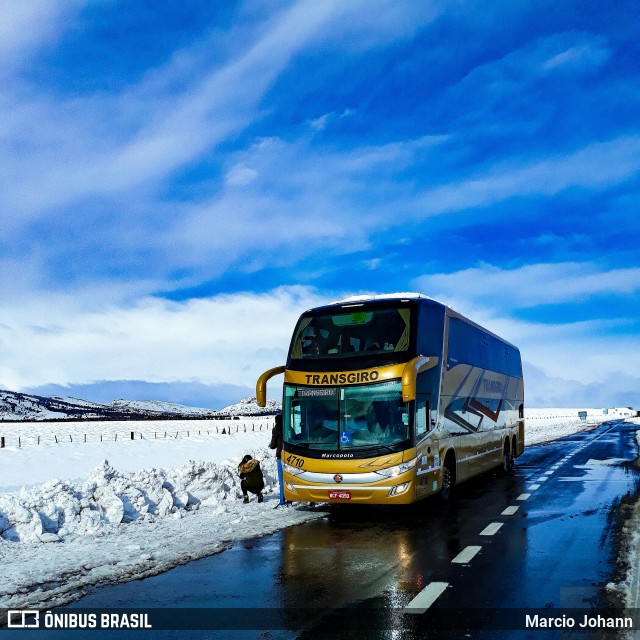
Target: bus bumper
<point x="399" y="491"/>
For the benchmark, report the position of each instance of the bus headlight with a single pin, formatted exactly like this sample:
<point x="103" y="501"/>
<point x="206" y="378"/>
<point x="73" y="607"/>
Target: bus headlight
<point x="399" y="489"/>
<point x="392" y="472"/>
<point x="290" y="487"/>
<point x="292" y="471"/>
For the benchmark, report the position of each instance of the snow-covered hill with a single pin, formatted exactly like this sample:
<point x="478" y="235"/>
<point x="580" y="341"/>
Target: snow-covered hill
<point x="163" y="408"/>
<point x="249" y="407"/>
<point x="24" y="406"/>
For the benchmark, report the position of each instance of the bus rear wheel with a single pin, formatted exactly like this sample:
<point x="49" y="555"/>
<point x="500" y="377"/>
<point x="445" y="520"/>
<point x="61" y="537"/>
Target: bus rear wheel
<point x="508" y="461"/>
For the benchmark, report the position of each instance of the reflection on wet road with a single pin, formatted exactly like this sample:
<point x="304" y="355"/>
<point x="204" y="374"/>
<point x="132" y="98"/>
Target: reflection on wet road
<point x="546" y="537"/>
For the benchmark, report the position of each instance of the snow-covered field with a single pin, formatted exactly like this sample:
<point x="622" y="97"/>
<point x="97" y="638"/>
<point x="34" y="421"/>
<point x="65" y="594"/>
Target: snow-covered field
<point x="69" y="519"/>
<point x="72" y="449"/>
<point x="544" y="425"/>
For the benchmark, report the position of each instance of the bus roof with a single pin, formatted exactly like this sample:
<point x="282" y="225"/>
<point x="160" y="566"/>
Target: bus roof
<point x="384" y="296"/>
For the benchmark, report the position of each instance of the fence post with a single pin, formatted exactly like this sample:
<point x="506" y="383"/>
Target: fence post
<point x="38" y="439"/>
<point x="2" y="442"/>
<point x="132" y="436"/>
<point x="56" y="437"/>
<point x="19" y="443"/>
<point x="116" y="438"/>
<point x="70" y="438"/>
<point x="85" y="437"/>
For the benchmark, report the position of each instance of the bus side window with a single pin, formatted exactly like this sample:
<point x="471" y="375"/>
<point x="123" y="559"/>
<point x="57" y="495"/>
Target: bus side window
<point x="422" y="415"/>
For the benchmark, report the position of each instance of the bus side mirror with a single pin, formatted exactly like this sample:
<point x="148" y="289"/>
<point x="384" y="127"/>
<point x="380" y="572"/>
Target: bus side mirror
<point x="410" y="374"/>
<point x="261" y="385"/>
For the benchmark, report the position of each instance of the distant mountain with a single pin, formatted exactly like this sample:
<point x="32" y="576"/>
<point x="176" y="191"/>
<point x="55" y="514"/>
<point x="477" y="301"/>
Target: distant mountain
<point x="29" y="407"/>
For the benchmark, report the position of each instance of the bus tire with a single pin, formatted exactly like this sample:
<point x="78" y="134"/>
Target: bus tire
<point x="507" y="459"/>
<point x="448" y="479"/>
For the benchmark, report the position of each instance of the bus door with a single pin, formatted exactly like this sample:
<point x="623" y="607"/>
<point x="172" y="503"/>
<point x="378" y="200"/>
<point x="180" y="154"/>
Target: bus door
<point x="427" y="448"/>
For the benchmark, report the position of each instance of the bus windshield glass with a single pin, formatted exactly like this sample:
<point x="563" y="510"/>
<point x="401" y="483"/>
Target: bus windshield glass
<point x="346" y="418"/>
<point x="374" y="331"/>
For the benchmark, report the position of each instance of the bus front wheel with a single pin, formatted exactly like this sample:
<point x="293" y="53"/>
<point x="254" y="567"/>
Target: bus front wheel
<point x="447" y="481"/>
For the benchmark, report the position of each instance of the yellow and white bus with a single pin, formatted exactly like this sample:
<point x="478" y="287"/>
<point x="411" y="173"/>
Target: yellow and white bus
<point x="390" y="399"/>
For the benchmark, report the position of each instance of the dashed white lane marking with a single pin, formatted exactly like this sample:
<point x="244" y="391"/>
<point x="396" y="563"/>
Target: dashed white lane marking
<point x="509" y="511"/>
<point x="491" y="529"/>
<point x="533" y="487"/>
<point x="466" y="555"/>
<point x="523" y="496"/>
<point x="547" y="473"/>
<point x="426" y="597"/>
<point x="542" y="479"/>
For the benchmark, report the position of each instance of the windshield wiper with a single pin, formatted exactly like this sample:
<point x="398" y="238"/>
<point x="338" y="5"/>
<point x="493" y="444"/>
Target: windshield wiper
<point x="372" y="448"/>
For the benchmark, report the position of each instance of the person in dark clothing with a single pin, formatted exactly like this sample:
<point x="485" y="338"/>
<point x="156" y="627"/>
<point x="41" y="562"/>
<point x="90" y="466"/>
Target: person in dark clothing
<point x="251" y="478"/>
<point x="276" y="443"/>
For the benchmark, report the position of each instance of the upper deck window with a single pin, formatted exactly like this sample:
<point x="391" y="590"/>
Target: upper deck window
<point x="351" y="332"/>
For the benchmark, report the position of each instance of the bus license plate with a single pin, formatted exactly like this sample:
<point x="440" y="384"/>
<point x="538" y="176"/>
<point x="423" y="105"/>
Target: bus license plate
<point x="340" y="495"/>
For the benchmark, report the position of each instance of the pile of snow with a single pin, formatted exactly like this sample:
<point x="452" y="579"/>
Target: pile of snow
<point x="117" y="526"/>
<point x="55" y="510"/>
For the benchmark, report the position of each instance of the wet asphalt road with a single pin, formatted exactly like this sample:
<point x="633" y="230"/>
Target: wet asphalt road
<point x="546" y="537"/>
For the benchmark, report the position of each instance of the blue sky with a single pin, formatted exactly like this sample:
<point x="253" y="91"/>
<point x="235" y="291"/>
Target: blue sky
<point x="179" y="181"/>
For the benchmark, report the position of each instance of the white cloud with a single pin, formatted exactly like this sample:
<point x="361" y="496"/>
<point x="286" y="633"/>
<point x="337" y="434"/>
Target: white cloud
<point x="233" y="338"/>
<point x="596" y="166"/>
<point x="240" y="176"/>
<point x="591" y="352"/>
<point x="532" y="285"/>
<point x="225" y="339"/>
<point x="578" y="58"/>
<point x="28" y="25"/>
<point x="617" y="389"/>
<point x="166" y="121"/>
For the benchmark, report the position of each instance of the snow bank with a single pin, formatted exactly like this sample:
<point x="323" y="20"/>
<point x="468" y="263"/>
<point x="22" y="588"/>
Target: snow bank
<point x="117" y="526"/>
<point x="56" y="510"/>
<point x="629" y="558"/>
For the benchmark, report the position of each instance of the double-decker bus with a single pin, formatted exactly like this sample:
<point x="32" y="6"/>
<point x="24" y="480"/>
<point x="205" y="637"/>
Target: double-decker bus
<point x="390" y="399"/>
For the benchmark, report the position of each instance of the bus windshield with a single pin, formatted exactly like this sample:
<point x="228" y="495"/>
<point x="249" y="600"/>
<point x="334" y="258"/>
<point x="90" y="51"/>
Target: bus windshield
<point x="346" y="418"/>
<point x="345" y="334"/>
